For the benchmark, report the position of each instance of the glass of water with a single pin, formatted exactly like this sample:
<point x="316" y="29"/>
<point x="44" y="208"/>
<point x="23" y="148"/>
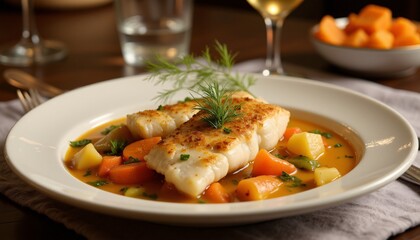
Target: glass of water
<point x="148" y="28"/>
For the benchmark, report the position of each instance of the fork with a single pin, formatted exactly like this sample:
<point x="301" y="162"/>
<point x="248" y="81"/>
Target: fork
<point x="29" y="99"/>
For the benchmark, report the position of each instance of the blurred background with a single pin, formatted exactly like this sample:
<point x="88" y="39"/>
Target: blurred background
<point x="313" y="9"/>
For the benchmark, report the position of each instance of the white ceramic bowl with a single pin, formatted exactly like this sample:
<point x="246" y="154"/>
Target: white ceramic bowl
<point x="397" y="62"/>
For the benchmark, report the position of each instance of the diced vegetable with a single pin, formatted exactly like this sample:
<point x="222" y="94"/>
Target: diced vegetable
<point x="266" y="163"/>
<point x="86" y="158"/>
<point x="324" y="175"/>
<point x="108" y="162"/>
<point x="134" y="191"/>
<point x="307" y="144"/>
<point x="257" y="188"/>
<point x="304" y="163"/>
<point x="216" y="193"/>
<point x="358" y="38"/>
<point x="373" y="18"/>
<point x="140" y="148"/>
<point x="134" y="173"/>
<point x="117" y="134"/>
<point x="329" y="32"/>
<point x="381" y="40"/>
<point x="290" y="131"/>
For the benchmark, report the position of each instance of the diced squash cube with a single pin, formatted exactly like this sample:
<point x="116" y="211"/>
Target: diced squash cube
<point x="324" y="175"/>
<point x="257" y="188"/>
<point x="402" y="26"/>
<point x="352" y="23"/>
<point x="329" y="32"/>
<point x="358" y="38"/>
<point x="381" y="40"/>
<point x="307" y="144"/>
<point x="407" y="40"/>
<point x="374" y="18"/>
<point x="87" y="157"/>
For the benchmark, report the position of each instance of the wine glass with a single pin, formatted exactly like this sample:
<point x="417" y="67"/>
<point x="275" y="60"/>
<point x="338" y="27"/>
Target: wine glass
<point x="274" y="12"/>
<point x="31" y="49"/>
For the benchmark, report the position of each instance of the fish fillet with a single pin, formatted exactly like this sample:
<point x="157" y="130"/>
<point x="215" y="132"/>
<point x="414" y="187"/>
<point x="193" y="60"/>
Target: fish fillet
<point x="213" y="153"/>
<point x="153" y="123"/>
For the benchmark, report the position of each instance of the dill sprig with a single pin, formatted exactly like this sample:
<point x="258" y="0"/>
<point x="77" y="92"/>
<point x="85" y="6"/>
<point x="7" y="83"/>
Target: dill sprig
<point x="216" y="102"/>
<point x="189" y="73"/>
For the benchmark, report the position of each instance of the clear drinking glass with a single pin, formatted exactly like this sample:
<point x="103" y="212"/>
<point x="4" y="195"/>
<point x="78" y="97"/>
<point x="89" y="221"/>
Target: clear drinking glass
<point x="31" y="49"/>
<point x="274" y="12"/>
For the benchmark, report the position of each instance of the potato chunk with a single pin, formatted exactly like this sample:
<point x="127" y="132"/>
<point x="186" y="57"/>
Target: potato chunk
<point x="87" y="157"/>
<point x="324" y="175"/>
<point x="306" y="144"/>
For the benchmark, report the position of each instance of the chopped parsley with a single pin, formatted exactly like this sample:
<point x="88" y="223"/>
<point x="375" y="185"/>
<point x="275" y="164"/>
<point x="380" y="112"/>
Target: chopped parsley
<point x="160" y="108"/>
<point x="131" y="160"/>
<point x="227" y="130"/>
<point x="324" y="134"/>
<point x="109" y="129"/>
<point x="117" y="146"/>
<point x="152" y="196"/>
<point x="98" y="183"/>
<point x="184" y="157"/>
<point x="295" y="181"/>
<point x="80" y="143"/>
<point x="338" y="145"/>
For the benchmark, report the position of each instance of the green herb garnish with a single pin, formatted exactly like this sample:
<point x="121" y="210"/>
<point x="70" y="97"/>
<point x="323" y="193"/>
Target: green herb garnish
<point x="98" y="183"/>
<point x="324" y="134"/>
<point x="295" y="181"/>
<point x="217" y="103"/>
<point x="160" y="108"/>
<point x="184" y="157"/>
<point x="189" y="73"/>
<point x="117" y="146"/>
<point x="109" y="129"/>
<point x="338" y="145"/>
<point x="131" y="160"/>
<point x="80" y="143"/>
<point x="227" y="130"/>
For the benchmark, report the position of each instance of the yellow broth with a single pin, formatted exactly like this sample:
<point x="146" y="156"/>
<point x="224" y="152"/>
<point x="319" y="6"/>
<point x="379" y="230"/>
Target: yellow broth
<point x="344" y="158"/>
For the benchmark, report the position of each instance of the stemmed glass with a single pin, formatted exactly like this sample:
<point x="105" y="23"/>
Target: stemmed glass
<point x="274" y="12"/>
<point x="31" y="49"/>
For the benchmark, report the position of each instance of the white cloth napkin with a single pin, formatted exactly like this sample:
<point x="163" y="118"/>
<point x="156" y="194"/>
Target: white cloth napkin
<point x="378" y="215"/>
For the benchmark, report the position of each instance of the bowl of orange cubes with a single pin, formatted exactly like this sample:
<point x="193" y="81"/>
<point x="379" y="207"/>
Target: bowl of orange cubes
<point x="371" y="43"/>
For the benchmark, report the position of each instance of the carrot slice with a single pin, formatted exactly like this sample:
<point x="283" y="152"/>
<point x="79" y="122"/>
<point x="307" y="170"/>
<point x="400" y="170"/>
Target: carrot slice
<point x="290" y="131"/>
<point x="266" y="163"/>
<point x="133" y="173"/>
<point x="108" y="162"/>
<point x="257" y="188"/>
<point x="140" y="148"/>
<point x="216" y="193"/>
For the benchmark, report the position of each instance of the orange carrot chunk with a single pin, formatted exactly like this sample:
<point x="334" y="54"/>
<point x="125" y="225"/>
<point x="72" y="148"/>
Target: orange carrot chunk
<point x="257" y="188"/>
<point x="290" y="131"/>
<point x="133" y="173"/>
<point x="266" y="163"/>
<point x="216" y="193"/>
<point x="140" y="148"/>
<point x="108" y="162"/>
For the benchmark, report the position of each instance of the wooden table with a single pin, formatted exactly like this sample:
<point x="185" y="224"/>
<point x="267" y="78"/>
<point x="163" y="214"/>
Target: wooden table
<point x="94" y="56"/>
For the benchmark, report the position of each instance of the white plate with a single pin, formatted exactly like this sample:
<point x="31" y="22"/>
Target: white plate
<point x="36" y="146"/>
